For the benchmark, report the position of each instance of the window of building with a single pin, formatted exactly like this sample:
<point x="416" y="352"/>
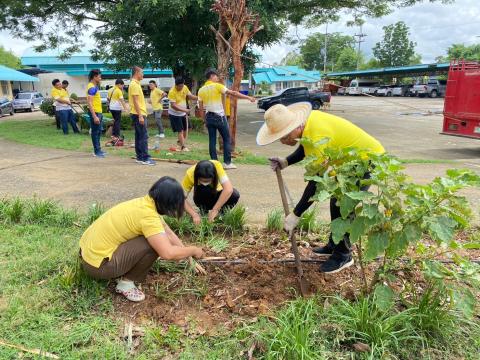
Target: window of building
<point x="285" y="84"/>
<point x="278" y="86"/>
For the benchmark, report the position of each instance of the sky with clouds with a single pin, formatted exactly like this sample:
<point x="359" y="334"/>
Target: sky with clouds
<point x="433" y="26"/>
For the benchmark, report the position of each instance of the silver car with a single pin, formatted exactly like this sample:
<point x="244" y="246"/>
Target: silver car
<point x="27" y="101"/>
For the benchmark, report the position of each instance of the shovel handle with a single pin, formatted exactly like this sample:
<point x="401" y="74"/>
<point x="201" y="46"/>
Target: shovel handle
<point x="283" y="194"/>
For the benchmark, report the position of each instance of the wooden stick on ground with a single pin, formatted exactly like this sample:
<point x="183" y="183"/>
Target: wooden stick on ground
<point x="293" y="242"/>
<point x="198" y="268"/>
<point x="30" y="351"/>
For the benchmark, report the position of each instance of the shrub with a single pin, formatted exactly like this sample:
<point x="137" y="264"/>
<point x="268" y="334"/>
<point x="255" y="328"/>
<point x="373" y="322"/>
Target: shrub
<point x="73" y="96"/>
<point x="47" y="107"/>
<point x="197" y="123"/>
<point x="233" y="220"/>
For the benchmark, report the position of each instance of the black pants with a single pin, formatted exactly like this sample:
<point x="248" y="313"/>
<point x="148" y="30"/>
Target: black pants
<point x="141" y="138"/>
<point x="117" y="120"/>
<point x="206" y="200"/>
<point x="344" y="246"/>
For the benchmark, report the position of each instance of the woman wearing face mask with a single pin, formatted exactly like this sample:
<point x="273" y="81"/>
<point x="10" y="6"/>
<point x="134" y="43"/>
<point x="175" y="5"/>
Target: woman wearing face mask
<point x="212" y="190"/>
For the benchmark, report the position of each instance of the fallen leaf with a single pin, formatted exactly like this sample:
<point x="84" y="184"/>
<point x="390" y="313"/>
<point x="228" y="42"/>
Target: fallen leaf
<point x="361" y="347"/>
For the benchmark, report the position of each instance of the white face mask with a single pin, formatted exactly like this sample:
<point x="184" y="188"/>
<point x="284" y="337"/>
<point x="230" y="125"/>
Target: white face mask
<point x="205" y="183"/>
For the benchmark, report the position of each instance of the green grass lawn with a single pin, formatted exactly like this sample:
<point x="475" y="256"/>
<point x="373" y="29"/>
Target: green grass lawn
<point x="43" y="133"/>
<point x="48" y="303"/>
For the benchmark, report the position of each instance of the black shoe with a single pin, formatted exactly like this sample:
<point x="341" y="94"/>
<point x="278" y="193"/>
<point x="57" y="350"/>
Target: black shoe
<point x="325" y="251"/>
<point x="336" y="262"/>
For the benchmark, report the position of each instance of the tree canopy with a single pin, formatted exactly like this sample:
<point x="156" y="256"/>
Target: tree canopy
<point x="395" y="49"/>
<point x="9" y="59"/>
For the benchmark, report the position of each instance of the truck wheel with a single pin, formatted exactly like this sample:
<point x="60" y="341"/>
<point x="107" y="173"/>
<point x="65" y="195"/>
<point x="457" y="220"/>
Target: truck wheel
<point x="31" y="108"/>
<point x="434" y="94"/>
<point x="389" y="94"/>
<point x="316" y="105"/>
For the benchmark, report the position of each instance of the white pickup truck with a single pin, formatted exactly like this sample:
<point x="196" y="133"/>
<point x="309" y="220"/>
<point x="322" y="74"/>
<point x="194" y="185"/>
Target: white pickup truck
<point x="432" y="88"/>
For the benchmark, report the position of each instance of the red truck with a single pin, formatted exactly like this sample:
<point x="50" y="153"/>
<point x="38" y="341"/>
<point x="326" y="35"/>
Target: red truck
<point x="461" y="111"/>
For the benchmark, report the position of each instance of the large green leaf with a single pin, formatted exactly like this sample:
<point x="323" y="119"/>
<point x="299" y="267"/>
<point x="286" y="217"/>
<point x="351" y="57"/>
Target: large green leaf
<point x="357" y="229"/>
<point x="339" y="227"/>
<point x="384" y="297"/>
<point x="360" y="195"/>
<point x="376" y="245"/>
<point x="347" y="205"/>
<point x="441" y="228"/>
<point x="321" y="196"/>
<point x="369" y="210"/>
<point x="464" y="301"/>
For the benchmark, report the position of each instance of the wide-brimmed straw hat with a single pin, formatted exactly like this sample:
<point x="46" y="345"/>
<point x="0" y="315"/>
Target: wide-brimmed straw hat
<point x="281" y="120"/>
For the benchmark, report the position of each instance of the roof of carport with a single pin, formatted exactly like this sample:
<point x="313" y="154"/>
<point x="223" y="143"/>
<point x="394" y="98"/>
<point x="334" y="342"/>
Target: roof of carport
<point x="400" y="70"/>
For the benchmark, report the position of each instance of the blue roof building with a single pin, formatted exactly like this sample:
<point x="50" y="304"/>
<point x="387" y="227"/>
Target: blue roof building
<point x="10" y="78"/>
<point x="282" y="77"/>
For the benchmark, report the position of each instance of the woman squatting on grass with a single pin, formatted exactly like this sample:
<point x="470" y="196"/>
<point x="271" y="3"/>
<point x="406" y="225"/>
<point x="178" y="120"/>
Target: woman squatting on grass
<point x="213" y="191"/>
<point x="126" y="240"/>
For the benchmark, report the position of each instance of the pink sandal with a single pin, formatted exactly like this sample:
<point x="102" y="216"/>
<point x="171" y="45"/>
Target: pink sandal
<point x="133" y="294"/>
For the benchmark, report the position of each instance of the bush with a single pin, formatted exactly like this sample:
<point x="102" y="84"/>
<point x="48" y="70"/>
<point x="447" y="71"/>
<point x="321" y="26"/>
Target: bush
<point x="47" y="107"/>
<point x="196" y="123"/>
<point x="73" y="96"/>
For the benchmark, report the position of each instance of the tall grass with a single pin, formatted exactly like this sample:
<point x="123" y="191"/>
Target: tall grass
<point x="274" y="221"/>
<point x="234" y="219"/>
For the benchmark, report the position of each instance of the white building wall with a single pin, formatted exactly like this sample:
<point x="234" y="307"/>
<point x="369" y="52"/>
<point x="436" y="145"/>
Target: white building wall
<point x="77" y="84"/>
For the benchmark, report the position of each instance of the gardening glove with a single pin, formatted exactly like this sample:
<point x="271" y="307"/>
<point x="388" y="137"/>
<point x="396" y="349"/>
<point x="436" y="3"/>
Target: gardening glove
<point x="291" y="222"/>
<point x="278" y="163"/>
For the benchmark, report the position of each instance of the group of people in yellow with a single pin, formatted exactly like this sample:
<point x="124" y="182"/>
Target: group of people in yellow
<point x="125" y="241"/>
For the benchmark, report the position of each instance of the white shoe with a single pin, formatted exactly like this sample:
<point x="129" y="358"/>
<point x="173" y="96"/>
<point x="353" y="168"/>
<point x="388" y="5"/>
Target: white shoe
<point x="161" y="136"/>
<point x="230" y="166"/>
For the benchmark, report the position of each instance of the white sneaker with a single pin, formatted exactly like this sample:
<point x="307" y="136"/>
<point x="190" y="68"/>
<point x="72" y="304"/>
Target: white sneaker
<point x="162" y="135"/>
<point x="230" y="166"/>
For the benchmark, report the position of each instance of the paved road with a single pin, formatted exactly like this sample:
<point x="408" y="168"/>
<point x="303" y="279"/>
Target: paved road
<point x="77" y="179"/>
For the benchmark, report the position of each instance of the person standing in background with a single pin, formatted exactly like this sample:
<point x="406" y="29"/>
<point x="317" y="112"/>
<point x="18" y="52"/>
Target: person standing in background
<point x="178" y="111"/>
<point x="156" y="96"/>
<point x="63" y="108"/>
<point x="95" y="110"/>
<point x="116" y="104"/>
<point x="138" y="113"/>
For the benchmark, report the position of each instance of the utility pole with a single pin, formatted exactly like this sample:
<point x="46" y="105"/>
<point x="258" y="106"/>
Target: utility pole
<point x="325" y="50"/>
<point x="359" y="41"/>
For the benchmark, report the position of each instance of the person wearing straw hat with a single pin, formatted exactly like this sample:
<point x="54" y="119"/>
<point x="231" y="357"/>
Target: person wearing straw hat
<point x="289" y="124"/>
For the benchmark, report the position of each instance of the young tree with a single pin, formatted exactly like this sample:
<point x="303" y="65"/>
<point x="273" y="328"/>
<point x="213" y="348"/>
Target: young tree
<point x="395" y="49"/>
<point x="313" y="47"/>
<point x="9" y="59"/>
<point x="347" y="60"/>
<point x="461" y="51"/>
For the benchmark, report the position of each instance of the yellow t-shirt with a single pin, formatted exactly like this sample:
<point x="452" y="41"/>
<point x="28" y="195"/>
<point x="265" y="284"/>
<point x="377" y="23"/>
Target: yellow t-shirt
<point x="115" y="94"/>
<point x="121" y="223"/>
<point x="136" y="89"/>
<point x="342" y="134"/>
<point x="179" y="98"/>
<point x="188" y="180"/>
<point x="92" y="90"/>
<point x="156" y="99"/>
<point x="211" y="94"/>
<point x="60" y="94"/>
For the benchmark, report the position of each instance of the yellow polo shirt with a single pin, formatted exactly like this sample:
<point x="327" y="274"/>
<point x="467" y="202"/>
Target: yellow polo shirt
<point x="211" y="94"/>
<point x="156" y="99"/>
<point x="342" y="134"/>
<point x="60" y="94"/>
<point x="115" y="95"/>
<point x="136" y="89"/>
<point x="121" y="223"/>
<point x="188" y="180"/>
<point x="92" y="90"/>
<point x="179" y="98"/>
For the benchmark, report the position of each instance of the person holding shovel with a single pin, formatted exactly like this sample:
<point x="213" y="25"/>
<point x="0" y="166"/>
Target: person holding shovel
<point x="289" y="124"/>
<point x="125" y="241"/>
<point x="213" y="191"/>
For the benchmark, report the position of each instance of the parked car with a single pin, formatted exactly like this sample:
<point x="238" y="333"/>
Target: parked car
<point x="293" y="95"/>
<point x="27" y="101"/>
<point x="6" y="107"/>
<point x="341" y="91"/>
<point x="371" y="90"/>
<point x="402" y="90"/>
<point x="384" y="90"/>
<point x="432" y="87"/>
<point x="104" y="96"/>
<point x="359" y="86"/>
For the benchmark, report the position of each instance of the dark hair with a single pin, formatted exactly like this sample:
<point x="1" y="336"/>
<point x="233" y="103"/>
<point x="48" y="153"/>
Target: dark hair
<point x="55" y="81"/>
<point x="119" y="82"/>
<point x="65" y="82"/>
<point x="168" y="196"/>
<point x="209" y="72"/>
<point x="205" y="169"/>
<point x="93" y="73"/>
<point x="179" y="80"/>
<point x="153" y="82"/>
